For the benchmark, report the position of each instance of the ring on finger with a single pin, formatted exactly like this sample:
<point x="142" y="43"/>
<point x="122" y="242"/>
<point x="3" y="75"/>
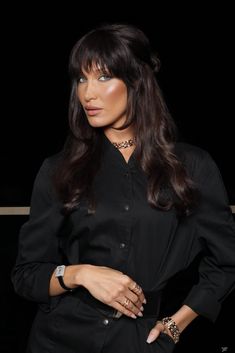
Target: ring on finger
<point x="136" y="289"/>
<point x="126" y="303"/>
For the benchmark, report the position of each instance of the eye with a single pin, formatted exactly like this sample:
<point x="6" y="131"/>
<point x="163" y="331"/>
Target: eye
<point x="81" y="79"/>
<point x="104" y="77"/>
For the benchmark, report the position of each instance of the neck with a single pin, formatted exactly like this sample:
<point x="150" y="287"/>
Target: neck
<point x="119" y="135"/>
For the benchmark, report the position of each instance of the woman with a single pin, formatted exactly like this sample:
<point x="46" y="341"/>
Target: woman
<point x="121" y="211"/>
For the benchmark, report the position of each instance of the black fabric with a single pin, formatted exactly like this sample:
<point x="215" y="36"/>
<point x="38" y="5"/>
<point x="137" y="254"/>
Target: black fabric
<point x="151" y="308"/>
<point x="125" y="233"/>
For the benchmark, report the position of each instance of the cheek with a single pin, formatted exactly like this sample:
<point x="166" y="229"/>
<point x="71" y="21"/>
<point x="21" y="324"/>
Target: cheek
<point x="79" y="94"/>
<point x="115" y="94"/>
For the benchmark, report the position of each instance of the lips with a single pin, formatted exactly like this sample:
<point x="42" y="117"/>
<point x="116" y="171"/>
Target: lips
<point x="91" y="107"/>
<point x="92" y="110"/>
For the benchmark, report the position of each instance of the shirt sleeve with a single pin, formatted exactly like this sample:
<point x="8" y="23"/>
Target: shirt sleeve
<point x="38" y="250"/>
<point x="215" y="228"/>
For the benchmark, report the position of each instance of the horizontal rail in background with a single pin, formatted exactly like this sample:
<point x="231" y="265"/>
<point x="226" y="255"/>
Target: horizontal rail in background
<point x="14" y="211"/>
<point x="18" y="211"/>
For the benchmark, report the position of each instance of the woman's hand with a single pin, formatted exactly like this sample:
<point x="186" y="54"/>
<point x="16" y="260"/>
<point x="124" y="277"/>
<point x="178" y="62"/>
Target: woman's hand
<point x="115" y="289"/>
<point x="182" y="318"/>
<point x="155" y="332"/>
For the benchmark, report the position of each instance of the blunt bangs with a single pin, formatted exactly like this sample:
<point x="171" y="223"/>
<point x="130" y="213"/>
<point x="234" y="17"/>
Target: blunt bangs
<point x="105" y="52"/>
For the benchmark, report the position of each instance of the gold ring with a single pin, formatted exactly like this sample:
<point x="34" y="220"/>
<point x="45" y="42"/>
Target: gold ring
<point x="137" y="289"/>
<point x="126" y="303"/>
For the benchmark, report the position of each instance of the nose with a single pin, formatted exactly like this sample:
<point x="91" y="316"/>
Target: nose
<point x="90" y="91"/>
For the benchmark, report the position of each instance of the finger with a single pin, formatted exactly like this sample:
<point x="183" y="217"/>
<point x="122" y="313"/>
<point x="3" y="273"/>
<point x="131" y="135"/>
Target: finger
<point x="129" y="305"/>
<point x="135" y="300"/>
<point x="123" y="310"/>
<point x="139" y="292"/>
<point x="135" y="288"/>
<point x="154" y="333"/>
<point x="142" y="298"/>
<point x="139" y="305"/>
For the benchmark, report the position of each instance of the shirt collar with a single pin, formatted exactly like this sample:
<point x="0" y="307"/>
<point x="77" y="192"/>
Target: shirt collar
<point x="113" y="155"/>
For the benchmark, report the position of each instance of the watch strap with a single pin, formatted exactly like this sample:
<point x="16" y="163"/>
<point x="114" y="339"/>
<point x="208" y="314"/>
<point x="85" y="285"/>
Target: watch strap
<point x="61" y="281"/>
<point x="59" y="273"/>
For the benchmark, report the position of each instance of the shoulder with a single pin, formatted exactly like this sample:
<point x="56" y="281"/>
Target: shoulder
<point x="187" y="151"/>
<point x="47" y="169"/>
<point x="196" y="159"/>
<point x="44" y="179"/>
<point x="50" y="163"/>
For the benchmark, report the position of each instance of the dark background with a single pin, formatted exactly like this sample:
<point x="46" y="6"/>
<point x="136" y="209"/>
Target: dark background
<point x="194" y="45"/>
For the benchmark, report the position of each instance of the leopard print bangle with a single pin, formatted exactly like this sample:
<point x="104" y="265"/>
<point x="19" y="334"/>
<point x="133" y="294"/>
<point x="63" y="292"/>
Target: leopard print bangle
<point x="173" y="328"/>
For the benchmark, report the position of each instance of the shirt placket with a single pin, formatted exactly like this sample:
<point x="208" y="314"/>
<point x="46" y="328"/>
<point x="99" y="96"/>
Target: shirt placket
<point x="126" y="209"/>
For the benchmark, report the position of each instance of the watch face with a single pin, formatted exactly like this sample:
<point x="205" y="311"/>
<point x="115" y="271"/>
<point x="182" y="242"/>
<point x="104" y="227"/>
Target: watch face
<point x="59" y="271"/>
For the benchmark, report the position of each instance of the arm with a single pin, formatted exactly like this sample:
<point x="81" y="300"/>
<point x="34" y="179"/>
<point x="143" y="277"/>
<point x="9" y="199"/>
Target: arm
<point x="38" y="250"/>
<point x="33" y="275"/>
<point x="106" y="284"/>
<point x="183" y="317"/>
<point x="216" y="234"/>
<point x="73" y="277"/>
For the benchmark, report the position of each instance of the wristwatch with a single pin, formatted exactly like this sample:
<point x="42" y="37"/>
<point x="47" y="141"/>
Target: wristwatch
<point x="59" y="273"/>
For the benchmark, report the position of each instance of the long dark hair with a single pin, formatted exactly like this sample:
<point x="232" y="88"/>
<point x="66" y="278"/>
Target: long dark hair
<point x="124" y="51"/>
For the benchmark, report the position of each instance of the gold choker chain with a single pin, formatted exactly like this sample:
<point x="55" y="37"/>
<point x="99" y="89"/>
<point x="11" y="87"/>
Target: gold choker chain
<point x="124" y="144"/>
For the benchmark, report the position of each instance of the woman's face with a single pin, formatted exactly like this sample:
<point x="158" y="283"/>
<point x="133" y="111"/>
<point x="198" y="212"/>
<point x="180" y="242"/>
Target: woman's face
<point x="104" y="98"/>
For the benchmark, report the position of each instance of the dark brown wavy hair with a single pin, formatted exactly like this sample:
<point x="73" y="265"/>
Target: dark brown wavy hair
<point x="124" y="51"/>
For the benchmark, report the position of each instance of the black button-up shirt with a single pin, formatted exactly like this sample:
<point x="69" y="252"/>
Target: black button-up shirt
<point x="127" y="234"/>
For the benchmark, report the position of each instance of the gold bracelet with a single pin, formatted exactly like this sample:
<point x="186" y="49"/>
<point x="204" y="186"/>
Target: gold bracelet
<point x="173" y="328"/>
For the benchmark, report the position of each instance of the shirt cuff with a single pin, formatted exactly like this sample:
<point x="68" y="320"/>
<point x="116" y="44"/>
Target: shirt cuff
<point x="41" y="288"/>
<point x="203" y="303"/>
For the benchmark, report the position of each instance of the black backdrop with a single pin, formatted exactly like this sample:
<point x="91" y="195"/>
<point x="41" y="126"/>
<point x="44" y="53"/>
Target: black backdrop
<point x="194" y="48"/>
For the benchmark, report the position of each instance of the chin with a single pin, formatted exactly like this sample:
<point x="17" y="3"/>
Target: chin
<point x="98" y="123"/>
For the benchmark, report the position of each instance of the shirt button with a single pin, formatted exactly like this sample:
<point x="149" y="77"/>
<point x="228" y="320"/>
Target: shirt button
<point x="127" y="207"/>
<point x="105" y="322"/>
<point x="122" y="245"/>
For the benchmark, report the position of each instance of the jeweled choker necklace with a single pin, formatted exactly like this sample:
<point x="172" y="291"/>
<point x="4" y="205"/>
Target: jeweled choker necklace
<point x="124" y="144"/>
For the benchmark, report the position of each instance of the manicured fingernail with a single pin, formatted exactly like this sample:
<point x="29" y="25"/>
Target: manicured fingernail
<point x="140" y="314"/>
<point x="142" y="308"/>
<point x="144" y="301"/>
<point x="133" y="316"/>
<point x="150" y="338"/>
